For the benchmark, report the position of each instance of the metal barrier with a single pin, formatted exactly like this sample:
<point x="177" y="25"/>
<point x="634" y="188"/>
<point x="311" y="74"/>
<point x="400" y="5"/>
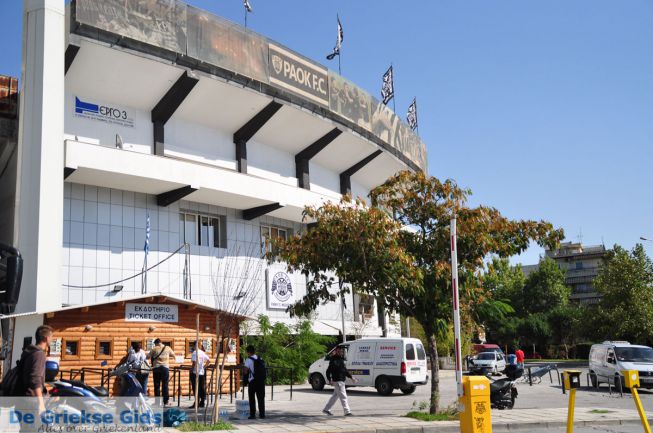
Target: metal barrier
<point x="270" y="370"/>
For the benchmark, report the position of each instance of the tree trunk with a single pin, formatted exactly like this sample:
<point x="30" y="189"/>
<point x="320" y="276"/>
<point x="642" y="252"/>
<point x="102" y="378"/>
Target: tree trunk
<point x="435" y="373"/>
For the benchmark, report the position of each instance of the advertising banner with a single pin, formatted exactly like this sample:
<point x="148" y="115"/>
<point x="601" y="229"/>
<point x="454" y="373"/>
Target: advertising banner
<point x="91" y="109"/>
<point x="161" y="23"/>
<point x="222" y="43"/>
<point x="280" y="289"/>
<point x="301" y="76"/>
<point x="350" y="101"/>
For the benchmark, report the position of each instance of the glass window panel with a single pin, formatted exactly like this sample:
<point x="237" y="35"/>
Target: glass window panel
<point x="204" y="234"/>
<point x="182" y="218"/>
<point x="410" y="352"/>
<point x="214" y="233"/>
<point x="190" y="232"/>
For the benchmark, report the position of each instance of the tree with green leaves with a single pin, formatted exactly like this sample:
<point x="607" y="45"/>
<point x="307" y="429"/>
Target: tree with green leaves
<point x="625" y="281"/>
<point x="545" y="288"/>
<point x="399" y="251"/>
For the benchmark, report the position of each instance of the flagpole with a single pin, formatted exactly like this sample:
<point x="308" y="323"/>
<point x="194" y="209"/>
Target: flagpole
<point x="245" y="17"/>
<point x="339" y="71"/>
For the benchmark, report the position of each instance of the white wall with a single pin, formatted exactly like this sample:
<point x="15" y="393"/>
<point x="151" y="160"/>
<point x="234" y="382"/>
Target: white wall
<point x="270" y="163"/>
<point x="199" y="143"/>
<point x="324" y="181"/>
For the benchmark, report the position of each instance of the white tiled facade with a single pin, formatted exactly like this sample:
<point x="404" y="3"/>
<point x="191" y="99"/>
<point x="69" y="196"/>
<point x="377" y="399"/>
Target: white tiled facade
<point x="104" y="235"/>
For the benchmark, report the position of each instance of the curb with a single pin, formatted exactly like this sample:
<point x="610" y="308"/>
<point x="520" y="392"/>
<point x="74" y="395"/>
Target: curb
<point x="436" y="427"/>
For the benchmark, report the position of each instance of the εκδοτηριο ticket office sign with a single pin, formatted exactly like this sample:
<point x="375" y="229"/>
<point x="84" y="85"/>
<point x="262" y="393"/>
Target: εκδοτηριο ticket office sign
<point x="136" y="312"/>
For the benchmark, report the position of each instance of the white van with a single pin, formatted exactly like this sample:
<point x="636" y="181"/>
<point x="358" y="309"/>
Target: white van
<point x="610" y="358"/>
<point x="384" y="363"/>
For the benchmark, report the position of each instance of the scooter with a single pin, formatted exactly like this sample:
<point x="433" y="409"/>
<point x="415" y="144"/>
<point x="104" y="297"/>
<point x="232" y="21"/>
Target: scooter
<point x="131" y="392"/>
<point x="503" y="392"/>
<point x="75" y="394"/>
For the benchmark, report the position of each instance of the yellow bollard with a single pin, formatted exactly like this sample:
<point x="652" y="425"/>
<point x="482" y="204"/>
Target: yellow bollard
<point x="631" y="380"/>
<point x="571" y="382"/>
<point x="475" y="415"/>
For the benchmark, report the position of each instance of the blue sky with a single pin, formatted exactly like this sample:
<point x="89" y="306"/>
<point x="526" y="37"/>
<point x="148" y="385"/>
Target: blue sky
<point x="543" y="108"/>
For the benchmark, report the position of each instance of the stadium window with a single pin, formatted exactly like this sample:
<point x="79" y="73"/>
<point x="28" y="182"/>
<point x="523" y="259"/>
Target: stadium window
<point x="204" y="230"/>
<point x="270" y="232"/>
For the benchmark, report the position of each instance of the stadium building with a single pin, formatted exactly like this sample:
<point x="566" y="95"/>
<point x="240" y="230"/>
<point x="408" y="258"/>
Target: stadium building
<point x="159" y="123"/>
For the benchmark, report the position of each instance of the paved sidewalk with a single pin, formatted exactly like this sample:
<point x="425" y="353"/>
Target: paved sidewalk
<point x="509" y="420"/>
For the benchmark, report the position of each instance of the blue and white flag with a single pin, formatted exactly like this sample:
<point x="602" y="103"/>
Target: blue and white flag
<point x="248" y="7"/>
<point x="146" y="247"/>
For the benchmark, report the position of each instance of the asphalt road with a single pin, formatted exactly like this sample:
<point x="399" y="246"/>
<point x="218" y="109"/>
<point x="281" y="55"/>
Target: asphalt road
<point x="365" y="401"/>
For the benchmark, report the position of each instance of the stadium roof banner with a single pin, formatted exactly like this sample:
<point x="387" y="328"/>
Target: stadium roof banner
<point x="195" y="38"/>
<point x="299" y="75"/>
<point x="350" y="101"/>
<point x="161" y="24"/>
<point x="219" y="42"/>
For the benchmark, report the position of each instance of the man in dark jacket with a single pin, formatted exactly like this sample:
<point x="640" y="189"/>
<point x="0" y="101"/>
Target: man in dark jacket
<point x="336" y="375"/>
<point x="31" y="381"/>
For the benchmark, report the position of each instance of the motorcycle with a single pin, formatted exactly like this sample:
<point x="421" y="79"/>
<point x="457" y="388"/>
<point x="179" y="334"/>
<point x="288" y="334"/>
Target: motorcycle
<point x="503" y="392"/>
<point x="131" y="391"/>
<point x="73" y="394"/>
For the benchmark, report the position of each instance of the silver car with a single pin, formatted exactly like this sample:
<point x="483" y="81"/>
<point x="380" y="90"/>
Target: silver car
<point x="494" y="361"/>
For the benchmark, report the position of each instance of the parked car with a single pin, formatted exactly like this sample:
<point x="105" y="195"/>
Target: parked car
<point x="608" y="359"/>
<point x="494" y="361"/>
<point x="384" y="363"/>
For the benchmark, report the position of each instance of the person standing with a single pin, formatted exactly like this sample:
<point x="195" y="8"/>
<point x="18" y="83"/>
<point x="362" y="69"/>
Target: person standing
<point x="138" y="357"/>
<point x="336" y="375"/>
<point x="256" y="374"/>
<point x="31" y="381"/>
<point x="199" y="368"/>
<point x="160" y="358"/>
<point x="520" y="357"/>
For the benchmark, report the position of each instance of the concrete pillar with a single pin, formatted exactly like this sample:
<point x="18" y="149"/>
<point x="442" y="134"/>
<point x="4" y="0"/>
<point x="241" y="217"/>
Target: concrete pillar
<point x="39" y="214"/>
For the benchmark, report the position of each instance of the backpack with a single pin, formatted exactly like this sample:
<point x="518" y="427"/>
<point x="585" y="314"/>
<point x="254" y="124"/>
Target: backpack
<point x="260" y="370"/>
<point x="11" y="383"/>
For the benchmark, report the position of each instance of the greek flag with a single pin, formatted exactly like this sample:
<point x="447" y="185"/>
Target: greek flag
<point x="248" y="7"/>
<point x="388" y="87"/>
<point x="146" y="247"/>
<point x="336" y="49"/>
<point x="411" y="117"/>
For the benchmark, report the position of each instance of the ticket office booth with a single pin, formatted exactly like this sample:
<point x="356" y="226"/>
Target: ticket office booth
<point x="97" y="337"/>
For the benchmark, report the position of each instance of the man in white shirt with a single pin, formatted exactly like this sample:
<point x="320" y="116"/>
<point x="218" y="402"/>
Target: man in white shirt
<point x="199" y="368"/>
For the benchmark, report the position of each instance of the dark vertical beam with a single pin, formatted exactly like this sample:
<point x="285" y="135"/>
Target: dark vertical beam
<point x="302" y="166"/>
<point x="166" y="107"/>
<point x="67" y="171"/>
<point x="255" y="212"/>
<point x="248" y="130"/>
<point x="71" y="52"/>
<point x="345" y="176"/>
<point x="169" y="197"/>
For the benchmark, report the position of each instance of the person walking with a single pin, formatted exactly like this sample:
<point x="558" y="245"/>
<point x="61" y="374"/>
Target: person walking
<point x="31" y="379"/>
<point x="256" y="374"/>
<point x="160" y="358"/>
<point x="336" y="375"/>
<point x="520" y="357"/>
<point x="199" y="368"/>
<point x="138" y="357"/>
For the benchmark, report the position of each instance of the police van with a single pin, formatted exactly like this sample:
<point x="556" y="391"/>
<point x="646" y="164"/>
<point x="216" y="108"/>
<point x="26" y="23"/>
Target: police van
<point x="384" y="363"/>
<point x="608" y="359"/>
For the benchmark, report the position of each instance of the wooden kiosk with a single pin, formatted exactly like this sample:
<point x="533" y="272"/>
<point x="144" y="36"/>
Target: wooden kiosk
<point x="90" y="340"/>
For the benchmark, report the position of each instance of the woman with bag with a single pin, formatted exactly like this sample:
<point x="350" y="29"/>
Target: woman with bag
<point x="138" y="358"/>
